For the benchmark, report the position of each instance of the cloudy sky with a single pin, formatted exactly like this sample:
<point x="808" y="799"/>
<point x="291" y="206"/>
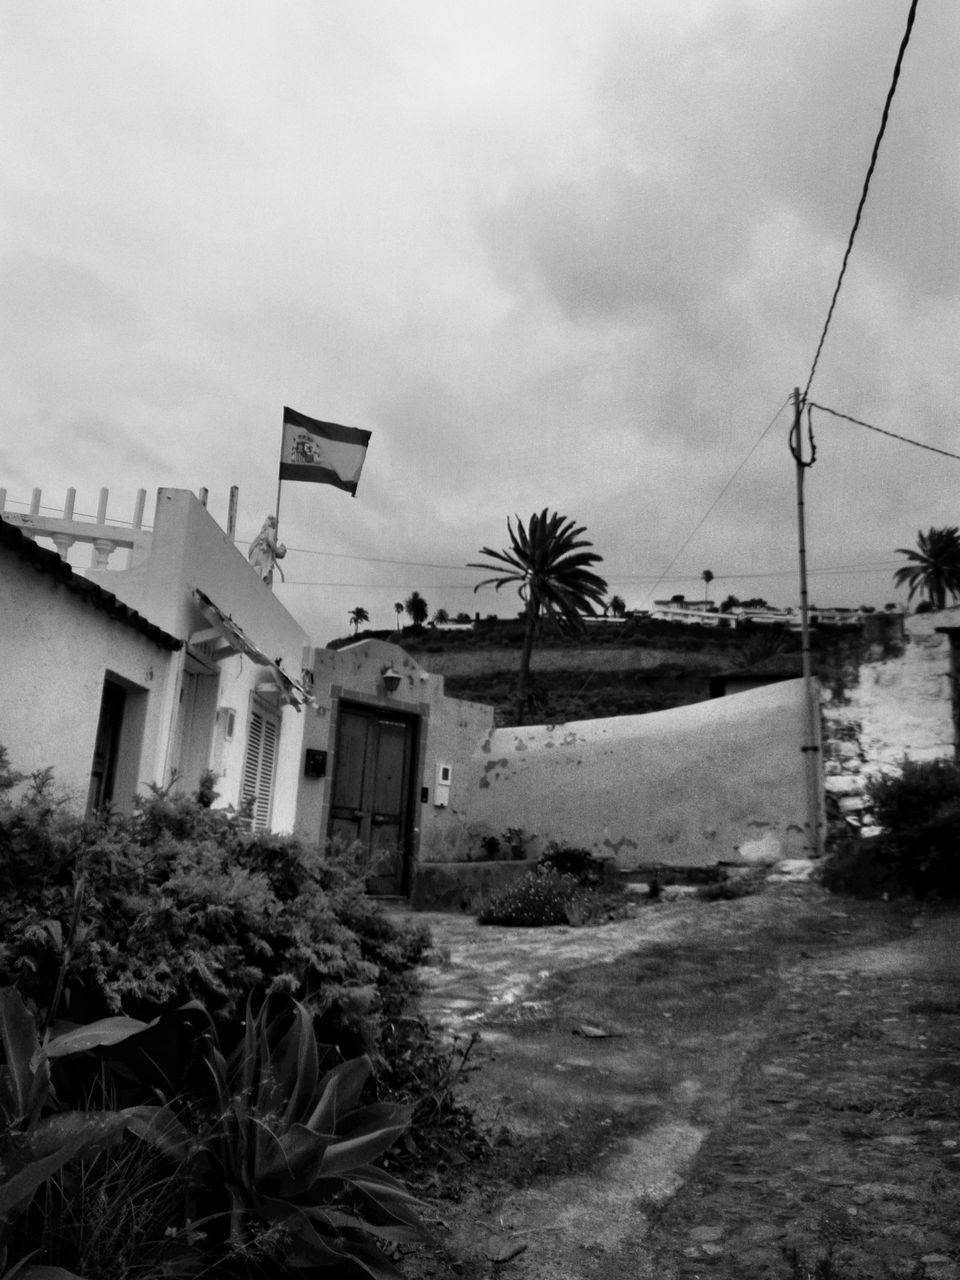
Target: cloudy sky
<point x="550" y="253"/>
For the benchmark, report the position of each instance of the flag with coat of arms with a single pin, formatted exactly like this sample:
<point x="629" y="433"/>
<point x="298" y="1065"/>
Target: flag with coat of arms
<point x="322" y="452"/>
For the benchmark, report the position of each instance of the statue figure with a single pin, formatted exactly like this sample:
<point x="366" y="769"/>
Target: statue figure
<point x="265" y="551"/>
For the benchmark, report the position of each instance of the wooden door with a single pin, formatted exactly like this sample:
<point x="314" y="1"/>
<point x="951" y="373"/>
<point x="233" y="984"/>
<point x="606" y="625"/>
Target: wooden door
<point x="371" y="798"/>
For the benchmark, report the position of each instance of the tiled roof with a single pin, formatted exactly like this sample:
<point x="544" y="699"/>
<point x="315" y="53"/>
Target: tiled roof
<point x="51" y="564"/>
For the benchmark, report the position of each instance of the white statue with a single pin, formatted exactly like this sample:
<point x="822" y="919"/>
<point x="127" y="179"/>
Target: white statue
<point x="265" y="551"/>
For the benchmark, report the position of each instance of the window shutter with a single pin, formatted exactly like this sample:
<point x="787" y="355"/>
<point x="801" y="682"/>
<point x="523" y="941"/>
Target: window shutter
<point x="259" y="767"/>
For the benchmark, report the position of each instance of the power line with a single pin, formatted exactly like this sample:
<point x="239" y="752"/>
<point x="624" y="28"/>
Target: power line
<point x="709" y="510"/>
<point x="866" y="187"/>
<point x="879" y="567"/>
<point x="918" y="444"/>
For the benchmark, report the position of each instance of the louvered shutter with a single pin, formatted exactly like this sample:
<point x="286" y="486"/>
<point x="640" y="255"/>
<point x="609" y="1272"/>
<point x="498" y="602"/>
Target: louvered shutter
<point x="259" y="767"/>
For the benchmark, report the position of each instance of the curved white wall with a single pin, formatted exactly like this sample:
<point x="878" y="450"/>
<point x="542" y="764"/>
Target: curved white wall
<point x="718" y="781"/>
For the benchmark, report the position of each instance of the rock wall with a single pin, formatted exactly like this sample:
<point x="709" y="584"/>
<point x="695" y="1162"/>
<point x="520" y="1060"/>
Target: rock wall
<point x="886" y="696"/>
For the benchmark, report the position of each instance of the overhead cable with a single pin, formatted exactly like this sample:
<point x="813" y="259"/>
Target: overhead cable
<point x="709" y="510"/>
<point x="917" y="444"/>
<point x="866" y="187"/>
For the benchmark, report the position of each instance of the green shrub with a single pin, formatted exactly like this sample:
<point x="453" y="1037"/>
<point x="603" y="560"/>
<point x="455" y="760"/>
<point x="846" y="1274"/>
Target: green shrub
<point x="541" y="897"/>
<point x="180" y="902"/>
<point x="918" y="849"/>
<point x="566" y="861"/>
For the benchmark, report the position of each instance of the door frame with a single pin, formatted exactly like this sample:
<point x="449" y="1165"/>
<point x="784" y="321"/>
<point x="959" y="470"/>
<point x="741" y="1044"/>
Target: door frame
<point x="418" y="715"/>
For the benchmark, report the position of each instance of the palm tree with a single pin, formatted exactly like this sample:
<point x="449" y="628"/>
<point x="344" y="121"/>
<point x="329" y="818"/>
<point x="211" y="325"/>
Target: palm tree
<point x="935" y="567"/>
<point x="398" y="609"/>
<point x="617" y="606"/>
<point x="549" y="563"/>
<point x="417" y="608"/>
<point x="358" y="615"/>
<point x="707" y="577"/>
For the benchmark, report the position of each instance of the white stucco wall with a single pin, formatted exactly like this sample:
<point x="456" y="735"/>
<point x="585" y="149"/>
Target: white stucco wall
<point x="55" y="649"/>
<point x="718" y="781"/>
<point x="189" y="551"/>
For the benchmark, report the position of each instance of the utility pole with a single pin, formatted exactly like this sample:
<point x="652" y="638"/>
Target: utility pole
<point x="811" y="742"/>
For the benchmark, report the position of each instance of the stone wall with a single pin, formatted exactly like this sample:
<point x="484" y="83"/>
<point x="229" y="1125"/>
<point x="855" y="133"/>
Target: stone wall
<point x="886" y="694"/>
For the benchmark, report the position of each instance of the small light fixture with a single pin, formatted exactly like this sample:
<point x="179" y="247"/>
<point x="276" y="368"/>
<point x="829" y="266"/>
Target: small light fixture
<point x="391" y="679"/>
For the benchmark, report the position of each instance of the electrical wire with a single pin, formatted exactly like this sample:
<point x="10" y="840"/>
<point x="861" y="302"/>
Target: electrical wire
<point x="918" y="444"/>
<point x="866" y="187"/>
<point x="710" y="509"/>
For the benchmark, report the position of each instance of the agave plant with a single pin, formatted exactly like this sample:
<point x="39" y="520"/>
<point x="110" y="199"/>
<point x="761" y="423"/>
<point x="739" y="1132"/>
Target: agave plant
<point x="294" y="1149"/>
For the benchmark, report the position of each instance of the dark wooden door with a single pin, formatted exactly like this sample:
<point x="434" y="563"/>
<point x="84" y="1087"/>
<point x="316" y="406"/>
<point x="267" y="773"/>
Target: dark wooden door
<point x="371" y="800"/>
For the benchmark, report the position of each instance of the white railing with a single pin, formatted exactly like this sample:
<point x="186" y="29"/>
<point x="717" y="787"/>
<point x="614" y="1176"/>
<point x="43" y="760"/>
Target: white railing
<point x="65" y="530"/>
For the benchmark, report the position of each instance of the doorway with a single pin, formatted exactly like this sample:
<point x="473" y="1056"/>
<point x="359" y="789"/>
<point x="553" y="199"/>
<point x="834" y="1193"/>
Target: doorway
<point x="372" y="792"/>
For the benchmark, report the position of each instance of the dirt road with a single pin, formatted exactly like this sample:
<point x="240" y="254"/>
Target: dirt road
<point x="762" y="1089"/>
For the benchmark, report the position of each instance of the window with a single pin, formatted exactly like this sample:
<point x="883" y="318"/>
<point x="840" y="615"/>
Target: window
<point x="259" y="766"/>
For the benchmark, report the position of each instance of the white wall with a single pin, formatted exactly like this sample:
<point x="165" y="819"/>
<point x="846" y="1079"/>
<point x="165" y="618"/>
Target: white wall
<point x="55" y="649"/>
<point x="718" y="781"/>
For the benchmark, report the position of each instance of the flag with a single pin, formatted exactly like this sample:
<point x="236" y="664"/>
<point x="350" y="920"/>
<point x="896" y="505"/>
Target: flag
<point x="322" y="452"/>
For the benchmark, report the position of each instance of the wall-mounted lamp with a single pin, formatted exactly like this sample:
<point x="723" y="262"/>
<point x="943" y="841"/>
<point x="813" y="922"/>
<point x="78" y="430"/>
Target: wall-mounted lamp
<point x="391" y="679"/>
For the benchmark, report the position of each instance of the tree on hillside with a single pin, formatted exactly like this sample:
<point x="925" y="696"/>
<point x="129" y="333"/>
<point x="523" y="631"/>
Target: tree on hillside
<point x="935" y="566"/>
<point x="398" y="609"/>
<point x="617" y="606"/>
<point x="358" y="615"/>
<point x="550" y="563"/>
<point x="440" y="617"/>
<point x="707" y="577"/>
<point x="417" y="608"/>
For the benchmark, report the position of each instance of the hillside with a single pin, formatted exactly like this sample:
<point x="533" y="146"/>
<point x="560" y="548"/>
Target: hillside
<point x="612" y="669"/>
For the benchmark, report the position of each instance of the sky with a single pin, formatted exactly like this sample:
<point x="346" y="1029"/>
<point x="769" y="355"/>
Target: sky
<point x="552" y="255"/>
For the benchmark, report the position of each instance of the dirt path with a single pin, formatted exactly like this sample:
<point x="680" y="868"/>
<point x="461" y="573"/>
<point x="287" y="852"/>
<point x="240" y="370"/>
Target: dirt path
<point x="744" y="1090"/>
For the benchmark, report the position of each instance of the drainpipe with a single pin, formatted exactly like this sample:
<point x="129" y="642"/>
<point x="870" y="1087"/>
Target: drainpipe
<point x="811" y="739"/>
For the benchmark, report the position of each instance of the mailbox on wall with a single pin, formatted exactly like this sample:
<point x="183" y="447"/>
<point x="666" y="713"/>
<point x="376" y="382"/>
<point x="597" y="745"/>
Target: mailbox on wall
<point x="441" y="791"/>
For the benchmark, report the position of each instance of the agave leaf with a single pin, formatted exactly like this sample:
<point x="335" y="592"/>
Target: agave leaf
<point x="341" y="1157"/>
<point x="294" y="1160"/>
<point x="350" y="1247"/>
<point x="48" y="1273"/>
<point x="394" y="1232"/>
<point x="389" y="1210"/>
<point x="161" y="1128"/>
<point x="310" y="1246"/>
<point x="341" y="1089"/>
<point x="106" y="1031"/>
<point x="16" y="1192"/>
<point x="299" y="1066"/>
<point x="21" y="1081"/>
<point x="93" y="1129"/>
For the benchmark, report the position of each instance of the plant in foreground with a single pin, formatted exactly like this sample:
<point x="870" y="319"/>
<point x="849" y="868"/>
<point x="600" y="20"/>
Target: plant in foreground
<point x="36" y="1143"/>
<point x="294" y="1150"/>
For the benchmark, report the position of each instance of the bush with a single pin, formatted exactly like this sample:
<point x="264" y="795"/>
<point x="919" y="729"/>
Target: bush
<point x="542" y="897"/>
<point x="180" y="902"/>
<point x="579" y="863"/>
<point x="918" y="849"/>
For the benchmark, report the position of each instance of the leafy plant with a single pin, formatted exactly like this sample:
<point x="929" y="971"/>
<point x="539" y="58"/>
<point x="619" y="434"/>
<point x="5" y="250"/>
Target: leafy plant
<point x="541" y="897"/>
<point x="566" y="861"/>
<point x="180" y="902"/>
<point x="918" y="849"/>
<point x="293" y="1150"/>
<point x="37" y="1142"/>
